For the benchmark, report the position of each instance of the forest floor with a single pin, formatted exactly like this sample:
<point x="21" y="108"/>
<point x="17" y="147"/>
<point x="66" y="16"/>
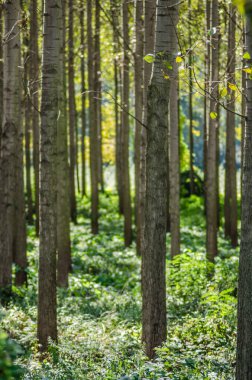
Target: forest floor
<point x="99" y="315"/>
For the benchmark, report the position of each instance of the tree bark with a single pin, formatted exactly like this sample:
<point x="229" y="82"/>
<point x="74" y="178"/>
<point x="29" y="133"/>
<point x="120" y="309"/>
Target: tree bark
<point x="190" y="113"/>
<point x="93" y="133"/>
<point x="244" y="329"/>
<point x="47" y="314"/>
<point x="72" y="115"/>
<point x="174" y="161"/>
<point x="63" y="194"/>
<point x="83" y="105"/>
<point x="149" y="37"/>
<point x="125" y="129"/>
<point x="211" y="190"/>
<point x="139" y="28"/>
<point x="230" y="205"/>
<point x="34" y="99"/>
<point x="154" y="252"/>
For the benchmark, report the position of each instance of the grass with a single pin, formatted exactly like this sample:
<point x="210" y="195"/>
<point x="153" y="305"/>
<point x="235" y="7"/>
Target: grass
<point x="99" y="316"/>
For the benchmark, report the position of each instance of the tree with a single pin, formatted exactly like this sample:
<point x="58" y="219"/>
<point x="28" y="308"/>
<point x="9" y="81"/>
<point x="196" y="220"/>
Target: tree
<point x="230" y="206"/>
<point x="72" y="114"/>
<point x="139" y="29"/>
<point x="34" y="100"/>
<point x="211" y="182"/>
<point x="47" y="314"/>
<point x="83" y="103"/>
<point x="174" y="160"/>
<point x="154" y="252"/>
<point x="190" y="99"/>
<point x="13" y="232"/>
<point x="93" y="132"/>
<point x="149" y="37"/>
<point x="63" y="195"/>
<point x="244" y="328"/>
<point x="125" y="128"/>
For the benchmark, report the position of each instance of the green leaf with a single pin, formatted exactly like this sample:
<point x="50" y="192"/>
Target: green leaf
<point x="213" y="115"/>
<point x="168" y="65"/>
<point x="223" y="92"/>
<point x="149" y="58"/>
<point x="240" y="5"/>
<point x="246" y="55"/>
<point x="179" y="59"/>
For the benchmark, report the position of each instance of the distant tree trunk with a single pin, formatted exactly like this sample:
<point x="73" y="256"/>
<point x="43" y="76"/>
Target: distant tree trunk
<point x="125" y="128"/>
<point x="2" y="257"/>
<point x="47" y="311"/>
<point x="118" y="142"/>
<point x="230" y="206"/>
<point x="149" y="37"/>
<point x="206" y="99"/>
<point x="27" y="121"/>
<point x="243" y="109"/>
<point x="83" y="104"/>
<point x="92" y="125"/>
<point x="244" y="329"/>
<point x="191" y="142"/>
<point x="174" y="161"/>
<point x="139" y="28"/>
<point x="98" y="92"/>
<point x="211" y="190"/>
<point x="34" y="99"/>
<point x="13" y="233"/>
<point x="154" y="252"/>
<point x="72" y="115"/>
<point x="63" y="196"/>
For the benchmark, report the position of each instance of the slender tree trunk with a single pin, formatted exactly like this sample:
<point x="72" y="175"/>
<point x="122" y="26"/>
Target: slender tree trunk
<point x="63" y="196"/>
<point x="243" y="110"/>
<point x="34" y="99"/>
<point x="174" y="161"/>
<point x="72" y="114"/>
<point x="191" y="142"/>
<point x="118" y="145"/>
<point x="244" y="329"/>
<point x="98" y="92"/>
<point x="125" y="129"/>
<point x="154" y="252"/>
<point x="92" y="125"/>
<point x="230" y="206"/>
<point x="27" y="111"/>
<point x="139" y="28"/>
<point x="211" y="190"/>
<point x="13" y="234"/>
<point x="149" y="37"/>
<point x="47" y="312"/>
<point x="83" y="105"/>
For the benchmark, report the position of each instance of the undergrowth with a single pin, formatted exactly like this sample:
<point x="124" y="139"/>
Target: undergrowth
<point x="99" y="315"/>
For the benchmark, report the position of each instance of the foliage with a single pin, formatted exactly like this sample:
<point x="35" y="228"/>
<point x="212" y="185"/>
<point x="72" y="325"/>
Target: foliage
<point x="99" y="315"/>
<point x="9" y="350"/>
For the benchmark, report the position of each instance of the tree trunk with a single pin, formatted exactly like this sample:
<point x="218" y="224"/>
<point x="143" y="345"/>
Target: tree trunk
<point x="149" y="37"/>
<point x="98" y="92"/>
<point x="125" y="129"/>
<point x="47" y="312"/>
<point x="34" y="99"/>
<point x="190" y="113"/>
<point x="230" y="206"/>
<point x="72" y="115"/>
<point x="13" y="234"/>
<point x="83" y="105"/>
<point x="244" y="329"/>
<point x="63" y="196"/>
<point x="174" y="161"/>
<point x="92" y="125"/>
<point x="154" y="252"/>
<point x="139" y="28"/>
<point x="211" y="190"/>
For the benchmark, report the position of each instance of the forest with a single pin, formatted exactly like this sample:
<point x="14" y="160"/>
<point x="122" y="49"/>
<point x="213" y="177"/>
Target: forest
<point x="126" y="189"/>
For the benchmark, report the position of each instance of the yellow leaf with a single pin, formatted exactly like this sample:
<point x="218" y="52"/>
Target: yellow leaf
<point x="179" y="59"/>
<point x="213" y="115"/>
<point x="196" y="132"/>
<point x="246" y="55"/>
<point x="223" y="92"/>
<point x="248" y="70"/>
<point x="232" y="87"/>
